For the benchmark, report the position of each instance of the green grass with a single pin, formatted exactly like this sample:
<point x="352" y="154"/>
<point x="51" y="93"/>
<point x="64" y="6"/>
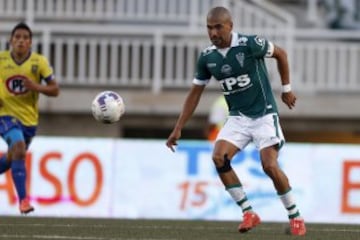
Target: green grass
<point x="30" y="228"/>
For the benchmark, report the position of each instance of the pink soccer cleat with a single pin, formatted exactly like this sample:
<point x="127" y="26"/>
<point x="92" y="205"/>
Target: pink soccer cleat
<point x="250" y="220"/>
<point x="297" y="226"/>
<point x="25" y="206"/>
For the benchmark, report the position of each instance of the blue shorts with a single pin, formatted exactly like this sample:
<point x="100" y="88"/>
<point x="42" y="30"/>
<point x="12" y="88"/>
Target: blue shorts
<point x="12" y="131"/>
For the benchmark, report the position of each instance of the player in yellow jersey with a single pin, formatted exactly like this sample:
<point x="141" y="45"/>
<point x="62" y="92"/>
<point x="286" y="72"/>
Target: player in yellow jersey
<point x="22" y="74"/>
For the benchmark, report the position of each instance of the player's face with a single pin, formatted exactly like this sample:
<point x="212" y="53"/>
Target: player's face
<point x="21" y="41"/>
<point x="219" y="32"/>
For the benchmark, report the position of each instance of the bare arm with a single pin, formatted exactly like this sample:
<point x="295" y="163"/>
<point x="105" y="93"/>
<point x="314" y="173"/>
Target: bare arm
<point x="51" y="88"/>
<point x="190" y="104"/>
<point x="287" y="96"/>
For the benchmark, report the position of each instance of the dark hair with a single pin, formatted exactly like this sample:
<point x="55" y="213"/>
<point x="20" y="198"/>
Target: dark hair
<point x="21" y="25"/>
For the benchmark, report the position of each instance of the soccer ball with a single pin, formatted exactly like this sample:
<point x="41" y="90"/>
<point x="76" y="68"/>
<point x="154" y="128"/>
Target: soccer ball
<point x="108" y="107"/>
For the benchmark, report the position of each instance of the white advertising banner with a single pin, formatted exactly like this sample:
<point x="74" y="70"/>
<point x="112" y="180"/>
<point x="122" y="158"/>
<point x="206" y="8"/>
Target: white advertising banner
<point x="118" y="178"/>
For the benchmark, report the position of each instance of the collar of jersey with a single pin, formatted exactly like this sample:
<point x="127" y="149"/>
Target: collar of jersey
<point x="234" y="41"/>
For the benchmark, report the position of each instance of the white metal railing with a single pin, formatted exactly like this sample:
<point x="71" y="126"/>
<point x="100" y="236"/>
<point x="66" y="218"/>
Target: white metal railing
<point x="327" y="60"/>
<point x="322" y="61"/>
<point x="189" y="13"/>
<point x="93" y="55"/>
<point x="181" y="12"/>
<point x="87" y="47"/>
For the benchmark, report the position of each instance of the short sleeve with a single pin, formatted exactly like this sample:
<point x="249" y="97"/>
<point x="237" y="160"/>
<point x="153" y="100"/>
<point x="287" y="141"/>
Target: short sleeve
<point x="46" y="71"/>
<point x="260" y="47"/>
<point x="202" y="74"/>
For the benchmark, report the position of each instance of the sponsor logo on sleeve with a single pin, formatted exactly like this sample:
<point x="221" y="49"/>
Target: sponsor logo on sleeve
<point x="242" y="41"/>
<point x="260" y="41"/>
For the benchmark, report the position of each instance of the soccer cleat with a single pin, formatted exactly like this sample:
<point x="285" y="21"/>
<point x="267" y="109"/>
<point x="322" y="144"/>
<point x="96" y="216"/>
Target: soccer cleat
<point x="25" y="206"/>
<point x="297" y="226"/>
<point x="250" y="220"/>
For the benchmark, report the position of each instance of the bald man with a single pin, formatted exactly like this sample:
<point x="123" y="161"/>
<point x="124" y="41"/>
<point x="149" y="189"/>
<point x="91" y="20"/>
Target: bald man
<point x="237" y="62"/>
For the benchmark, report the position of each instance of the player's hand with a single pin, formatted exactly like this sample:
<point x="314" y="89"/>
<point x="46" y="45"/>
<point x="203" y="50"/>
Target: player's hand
<point x="1" y="103"/>
<point x="172" y="139"/>
<point x="289" y="99"/>
<point x="30" y="85"/>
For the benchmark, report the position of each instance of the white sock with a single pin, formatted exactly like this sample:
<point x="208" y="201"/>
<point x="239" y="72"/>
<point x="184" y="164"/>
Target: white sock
<point x="290" y="205"/>
<point x="237" y="193"/>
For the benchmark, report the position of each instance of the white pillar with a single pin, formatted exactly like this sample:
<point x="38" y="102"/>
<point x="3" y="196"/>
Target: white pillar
<point x="30" y="15"/>
<point x="312" y="11"/>
<point x="157" y="65"/>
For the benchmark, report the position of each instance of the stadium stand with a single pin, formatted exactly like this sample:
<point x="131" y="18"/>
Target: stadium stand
<point x="146" y="50"/>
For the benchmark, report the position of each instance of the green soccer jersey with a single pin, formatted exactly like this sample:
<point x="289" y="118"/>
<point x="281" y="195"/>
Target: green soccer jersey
<point x="242" y="74"/>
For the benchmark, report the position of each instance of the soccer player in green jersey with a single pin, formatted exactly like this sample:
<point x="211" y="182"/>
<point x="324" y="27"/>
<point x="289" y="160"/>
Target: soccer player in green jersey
<point x="237" y="62"/>
<point x="24" y="76"/>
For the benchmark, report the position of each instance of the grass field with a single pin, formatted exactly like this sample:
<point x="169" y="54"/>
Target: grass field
<point x="115" y="229"/>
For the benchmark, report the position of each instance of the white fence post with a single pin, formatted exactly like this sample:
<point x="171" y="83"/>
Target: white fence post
<point x="46" y="38"/>
<point x="194" y="15"/>
<point x="157" y="64"/>
<point x="312" y="11"/>
<point x="30" y="8"/>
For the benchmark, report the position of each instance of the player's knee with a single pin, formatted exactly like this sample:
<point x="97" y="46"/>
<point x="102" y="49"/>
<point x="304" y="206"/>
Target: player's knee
<point x="18" y="151"/>
<point x="218" y="159"/>
<point x="222" y="163"/>
<point x="271" y="169"/>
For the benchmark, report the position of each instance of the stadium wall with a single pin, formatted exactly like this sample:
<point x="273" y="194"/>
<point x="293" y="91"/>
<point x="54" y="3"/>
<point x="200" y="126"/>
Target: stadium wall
<point x="117" y="178"/>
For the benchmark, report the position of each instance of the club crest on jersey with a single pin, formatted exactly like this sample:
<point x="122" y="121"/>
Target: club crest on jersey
<point x="240" y="57"/>
<point x="34" y="69"/>
<point x="15" y="85"/>
<point x="226" y="69"/>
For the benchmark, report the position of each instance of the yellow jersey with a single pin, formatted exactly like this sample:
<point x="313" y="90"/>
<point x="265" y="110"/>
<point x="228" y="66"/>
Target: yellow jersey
<point x="18" y="101"/>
